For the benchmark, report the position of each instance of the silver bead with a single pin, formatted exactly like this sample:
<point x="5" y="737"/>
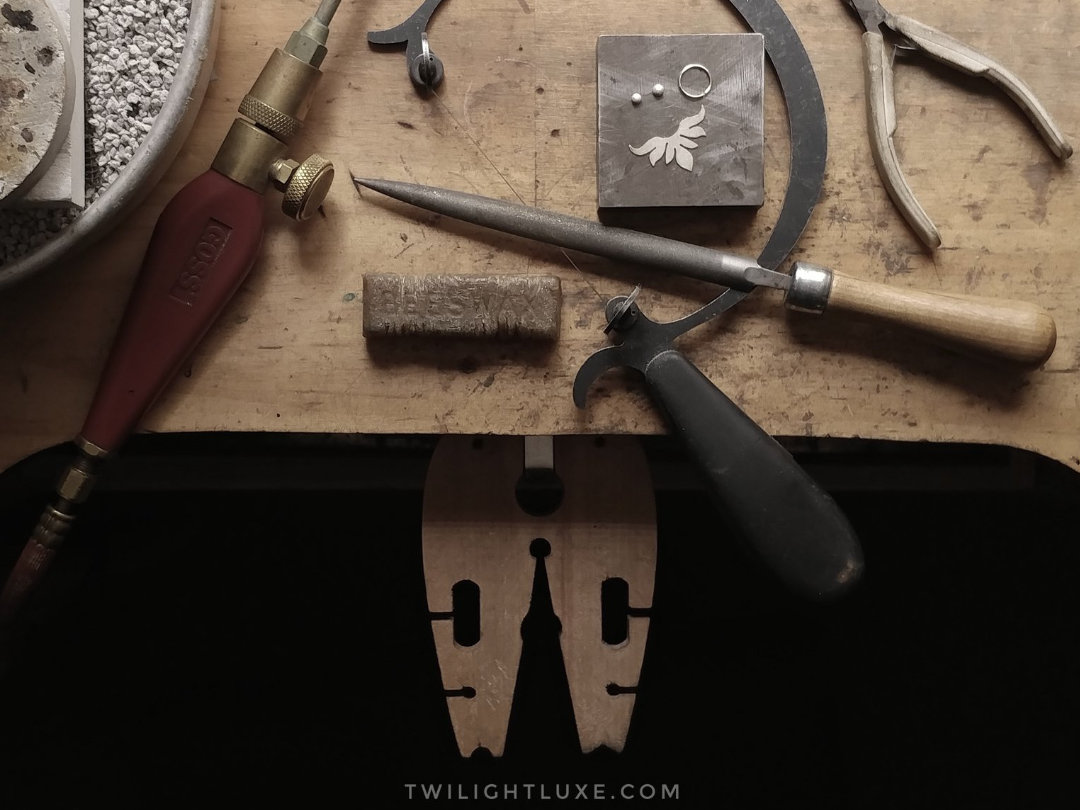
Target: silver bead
<point x="636" y="98"/>
<point x="658" y="90"/>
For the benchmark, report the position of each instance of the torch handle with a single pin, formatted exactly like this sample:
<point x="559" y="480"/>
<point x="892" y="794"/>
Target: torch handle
<point x="201" y="250"/>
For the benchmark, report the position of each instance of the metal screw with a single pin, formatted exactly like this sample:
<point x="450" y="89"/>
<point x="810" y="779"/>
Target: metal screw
<point x="621" y="312"/>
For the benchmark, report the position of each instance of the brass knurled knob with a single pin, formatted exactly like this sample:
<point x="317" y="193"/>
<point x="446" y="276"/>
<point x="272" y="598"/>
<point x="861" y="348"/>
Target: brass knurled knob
<point x="306" y="186"/>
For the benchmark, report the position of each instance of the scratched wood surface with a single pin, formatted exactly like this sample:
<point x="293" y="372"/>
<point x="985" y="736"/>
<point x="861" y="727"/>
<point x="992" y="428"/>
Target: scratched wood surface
<point x="516" y="119"/>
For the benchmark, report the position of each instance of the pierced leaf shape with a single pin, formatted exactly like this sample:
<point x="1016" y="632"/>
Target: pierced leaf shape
<point x="685" y="158"/>
<point x="654" y="146"/>
<point x="693" y="120"/>
<point x="676" y="146"/>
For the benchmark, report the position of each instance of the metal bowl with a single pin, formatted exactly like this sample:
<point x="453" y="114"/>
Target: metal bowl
<point x="154" y="155"/>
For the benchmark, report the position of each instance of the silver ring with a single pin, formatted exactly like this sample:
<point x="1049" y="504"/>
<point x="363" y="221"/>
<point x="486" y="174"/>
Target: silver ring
<point x="703" y="69"/>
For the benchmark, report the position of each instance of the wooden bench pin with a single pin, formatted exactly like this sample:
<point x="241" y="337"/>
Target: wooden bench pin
<point x="493" y="543"/>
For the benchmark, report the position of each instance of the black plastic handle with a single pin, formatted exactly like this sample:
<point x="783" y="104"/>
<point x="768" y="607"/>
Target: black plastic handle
<point x="785" y="518"/>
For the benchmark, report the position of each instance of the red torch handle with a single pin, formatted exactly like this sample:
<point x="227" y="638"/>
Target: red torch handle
<point x="201" y="250"/>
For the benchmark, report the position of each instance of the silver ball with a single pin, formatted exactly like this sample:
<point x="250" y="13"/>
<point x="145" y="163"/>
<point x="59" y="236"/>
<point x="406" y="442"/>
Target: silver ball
<point x="658" y="90"/>
<point x="636" y="98"/>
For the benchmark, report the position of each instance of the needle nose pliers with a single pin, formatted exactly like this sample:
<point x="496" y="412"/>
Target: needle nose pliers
<point x="910" y="34"/>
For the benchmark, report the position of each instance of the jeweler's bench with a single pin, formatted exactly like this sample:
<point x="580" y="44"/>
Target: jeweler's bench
<point x="516" y="118"/>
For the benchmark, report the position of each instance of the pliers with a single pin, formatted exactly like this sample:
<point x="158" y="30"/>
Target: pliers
<point x="881" y="111"/>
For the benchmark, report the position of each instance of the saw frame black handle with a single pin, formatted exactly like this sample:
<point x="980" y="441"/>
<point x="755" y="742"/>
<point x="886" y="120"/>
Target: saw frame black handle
<point x="784" y="518"/>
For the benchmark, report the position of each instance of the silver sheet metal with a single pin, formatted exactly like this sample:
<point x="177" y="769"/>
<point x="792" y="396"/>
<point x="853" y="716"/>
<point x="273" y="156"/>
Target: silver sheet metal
<point x="674" y="150"/>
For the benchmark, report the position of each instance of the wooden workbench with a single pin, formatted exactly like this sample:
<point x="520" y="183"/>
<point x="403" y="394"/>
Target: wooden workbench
<point x="516" y="119"/>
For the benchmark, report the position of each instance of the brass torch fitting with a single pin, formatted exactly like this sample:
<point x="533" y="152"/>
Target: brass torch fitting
<point x="277" y="104"/>
<point x="280" y="98"/>
<point x="246" y="155"/>
<point x="71" y="491"/>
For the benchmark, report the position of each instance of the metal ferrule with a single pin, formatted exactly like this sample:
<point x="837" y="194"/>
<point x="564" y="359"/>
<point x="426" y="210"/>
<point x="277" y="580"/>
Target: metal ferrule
<point x="810" y="288"/>
<point x="89" y="449"/>
<point x="76" y="483"/>
<point x="72" y="489"/>
<point x="247" y="155"/>
<point x="280" y="98"/>
<point x="52" y="527"/>
<point x="307" y="48"/>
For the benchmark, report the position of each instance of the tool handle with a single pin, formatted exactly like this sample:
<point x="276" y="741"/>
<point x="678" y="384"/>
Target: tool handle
<point x="202" y="248"/>
<point x="963" y="57"/>
<point x="783" y="516"/>
<point x="1014" y="331"/>
<point x="881" y="125"/>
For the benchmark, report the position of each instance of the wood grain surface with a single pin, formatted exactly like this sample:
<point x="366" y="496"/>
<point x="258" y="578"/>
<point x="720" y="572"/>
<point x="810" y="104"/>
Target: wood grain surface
<point x="516" y="118"/>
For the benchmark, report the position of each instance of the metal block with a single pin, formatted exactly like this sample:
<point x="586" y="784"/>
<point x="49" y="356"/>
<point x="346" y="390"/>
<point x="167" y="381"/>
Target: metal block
<point x="669" y="148"/>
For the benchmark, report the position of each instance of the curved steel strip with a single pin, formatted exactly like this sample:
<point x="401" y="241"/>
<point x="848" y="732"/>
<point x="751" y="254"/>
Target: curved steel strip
<point x="807" y="125"/>
<point x="416" y="24"/>
<point x="596" y="365"/>
<point x="809" y="134"/>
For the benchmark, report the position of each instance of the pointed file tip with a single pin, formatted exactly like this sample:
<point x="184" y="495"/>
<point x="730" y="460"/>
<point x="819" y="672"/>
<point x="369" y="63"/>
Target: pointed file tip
<point x="391" y="188"/>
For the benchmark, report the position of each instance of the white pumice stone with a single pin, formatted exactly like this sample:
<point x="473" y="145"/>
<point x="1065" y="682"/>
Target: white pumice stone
<point x="132" y="52"/>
